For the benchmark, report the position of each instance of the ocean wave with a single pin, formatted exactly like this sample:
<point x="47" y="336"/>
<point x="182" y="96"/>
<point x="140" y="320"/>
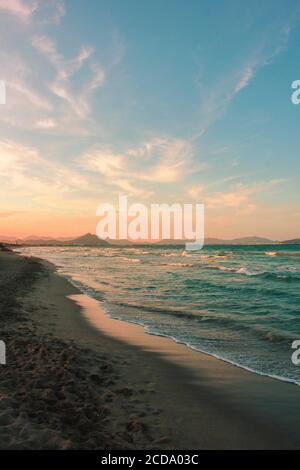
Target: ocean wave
<point x="225" y="269"/>
<point x="179" y="265"/>
<point x="175" y="255"/>
<point x="130" y="260"/>
<point x="276" y="337"/>
<point x="239" y="270"/>
<point x="139" y="251"/>
<point x="291" y="254"/>
<point x="211" y="304"/>
<point x="247" y="272"/>
<point x="288" y="273"/>
<point x="169" y="255"/>
<point x="231" y="323"/>
<point x="169" y="311"/>
<point x="257" y="368"/>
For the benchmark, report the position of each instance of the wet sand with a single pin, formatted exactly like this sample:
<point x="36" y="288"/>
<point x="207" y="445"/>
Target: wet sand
<point x="77" y="379"/>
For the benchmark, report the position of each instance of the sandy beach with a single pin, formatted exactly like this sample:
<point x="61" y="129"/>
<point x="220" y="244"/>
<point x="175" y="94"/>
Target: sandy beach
<point x="76" y="379"/>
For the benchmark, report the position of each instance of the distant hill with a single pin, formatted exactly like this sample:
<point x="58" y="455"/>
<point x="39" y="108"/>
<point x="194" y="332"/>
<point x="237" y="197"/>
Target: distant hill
<point x="5" y="239"/>
<point x="33" y="238"/>
<point x="43" y="241"/>
<point x="170" y="242"/>
<point x="90" y="239"/>
<point x="85" y="240"/>
<point x="251" y="241"/>
<point x="295" y="241"/>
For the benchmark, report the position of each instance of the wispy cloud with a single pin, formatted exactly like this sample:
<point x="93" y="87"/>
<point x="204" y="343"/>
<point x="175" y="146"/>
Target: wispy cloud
<point x="31" y="96"/>
<point x="78" y="100"/>
<point x="160" y="161"/>
<point x="26" y="173"/>
<point x="244" y="81"/>
<point x="22" y="10"/>
<point x="46" y="124"/>
<point x="218" y="95"/>
<point x="26" y="103"/>
<point x="47" y="90"/>
<point x="242" y="197"/>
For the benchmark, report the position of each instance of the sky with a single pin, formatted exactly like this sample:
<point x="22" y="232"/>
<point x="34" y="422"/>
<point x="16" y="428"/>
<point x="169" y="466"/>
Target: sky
<point x="165" y="102"/>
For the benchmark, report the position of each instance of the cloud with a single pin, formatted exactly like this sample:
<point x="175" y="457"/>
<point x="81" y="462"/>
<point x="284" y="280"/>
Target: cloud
<point x="26" y="103"/>
<point x="55" y="106"/>
<point x="22" y="10"/>
<point x="46" y="123"/>
<point x="131" y="188"/>
<point x="57" y="11"/>
<point x="24" y="172"/>
<point x="241" y="197"/>
<point x="65" y="68"/>
<point x="216" y="97"/>
<point x="196" y="192"/>
<point x="104" y="161"/>
<point x="173" y="161"/>
<point x="45" y="89"/>
<point x="244" y="81"/>
<point x="77" y="100"/>
<point x="25" y="10"/>
<point x="48" y="48"/>
<point x="31" y="96"/>
<point x="160" y="161"/>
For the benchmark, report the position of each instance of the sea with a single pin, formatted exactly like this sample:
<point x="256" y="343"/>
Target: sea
<point x="240" y="304"/>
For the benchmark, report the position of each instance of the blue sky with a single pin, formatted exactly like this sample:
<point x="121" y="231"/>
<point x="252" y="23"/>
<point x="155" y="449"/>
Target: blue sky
<point x="167" y="101"/>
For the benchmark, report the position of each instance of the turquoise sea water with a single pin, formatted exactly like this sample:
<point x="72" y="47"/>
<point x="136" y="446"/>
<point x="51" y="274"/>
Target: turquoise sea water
<point x="241" y="304"/>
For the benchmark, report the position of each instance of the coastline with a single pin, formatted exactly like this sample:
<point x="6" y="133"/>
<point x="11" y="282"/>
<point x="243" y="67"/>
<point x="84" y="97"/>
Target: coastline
<point x="83" y="300"/>
<point x="157" y="393"/>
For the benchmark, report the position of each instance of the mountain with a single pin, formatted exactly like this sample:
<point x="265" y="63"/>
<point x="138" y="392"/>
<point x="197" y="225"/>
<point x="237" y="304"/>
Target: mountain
<point x="88" y="240"/>
<point x="251" y="241"/>
<point x="295" y="241"/>
<point x="5" y="239"/>
<point x="33" y="238"/>
<point x="170" y="242"/>
<point x="239" y="241"/>
<point x="85" y="240"/>
<point x="37" y="241"/>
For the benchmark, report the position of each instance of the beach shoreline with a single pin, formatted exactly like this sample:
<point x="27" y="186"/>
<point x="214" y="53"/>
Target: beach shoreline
<point x="145" y="391"/>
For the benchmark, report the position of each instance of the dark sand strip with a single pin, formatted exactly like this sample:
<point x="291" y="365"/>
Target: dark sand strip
<point x="72" y="384"/>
